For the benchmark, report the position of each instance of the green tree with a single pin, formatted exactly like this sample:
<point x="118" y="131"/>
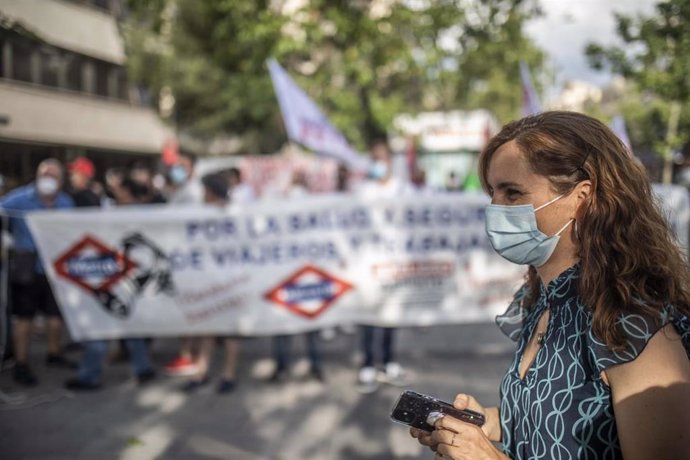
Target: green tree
<point x="492" y="48"/>
<point x="655" y="58"/>
<point x="363" y="62"/>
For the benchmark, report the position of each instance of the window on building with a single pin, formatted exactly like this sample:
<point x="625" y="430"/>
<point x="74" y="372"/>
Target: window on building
<point x="122" y="85"/>
<point x="103" y="4"/>
<point x="50" y="67"/>
<point x="21" y="60"/>
<point x="74" y="74"/>
<point x="102" y="73"/>
<point x="3" y="71"/>
<point x="88" y="76"/>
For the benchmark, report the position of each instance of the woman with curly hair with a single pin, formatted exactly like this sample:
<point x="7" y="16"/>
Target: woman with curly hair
<point x="602" y="324"/>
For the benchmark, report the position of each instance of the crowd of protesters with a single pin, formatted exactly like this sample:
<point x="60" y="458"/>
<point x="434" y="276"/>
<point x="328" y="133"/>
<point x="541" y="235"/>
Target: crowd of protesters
<point x="58" y="186"/>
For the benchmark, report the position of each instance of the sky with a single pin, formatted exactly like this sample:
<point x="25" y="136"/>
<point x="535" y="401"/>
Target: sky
<point x="567" y="27"/>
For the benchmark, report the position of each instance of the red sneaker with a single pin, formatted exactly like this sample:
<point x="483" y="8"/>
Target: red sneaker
<point x="181" y="366"/>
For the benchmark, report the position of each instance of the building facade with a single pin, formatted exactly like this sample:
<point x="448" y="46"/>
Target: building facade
<point x="64" y="90"/>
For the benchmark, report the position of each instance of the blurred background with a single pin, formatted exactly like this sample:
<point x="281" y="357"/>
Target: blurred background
<point x="138" y="84"/>
<point x="122" y="80"/>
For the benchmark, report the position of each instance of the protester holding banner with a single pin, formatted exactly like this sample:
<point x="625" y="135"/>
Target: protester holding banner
<point x="602" y="324"/>
<point x="186" y="187"/>
<point x="142" y="175"/>
<point x="29" y="285"/>
<point x="240" y="192"/>
<point x="282" y="343"/>
<point x="215" y="194"/>
<point x="91" y="367"/>
<point x="187" y="190"/>
<point x="81" y="173"/>
<point x="382" y="185"/>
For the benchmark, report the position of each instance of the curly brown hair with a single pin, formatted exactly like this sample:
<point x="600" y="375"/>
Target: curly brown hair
<point x="630" y="261"/>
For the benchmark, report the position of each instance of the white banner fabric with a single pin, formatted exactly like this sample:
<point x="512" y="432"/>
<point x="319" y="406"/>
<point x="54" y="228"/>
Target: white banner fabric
<point x="280" y="267"/>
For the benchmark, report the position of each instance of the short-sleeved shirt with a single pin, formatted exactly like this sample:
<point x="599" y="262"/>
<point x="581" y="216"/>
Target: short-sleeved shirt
<point x="563" y="409"/>
<point x="21" y="200"/>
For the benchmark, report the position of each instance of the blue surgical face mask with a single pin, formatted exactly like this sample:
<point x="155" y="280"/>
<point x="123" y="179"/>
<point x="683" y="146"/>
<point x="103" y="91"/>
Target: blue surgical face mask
<point x="378" y="170"/>
<point x="178" y="175"/>
<point x="514" y="234"/>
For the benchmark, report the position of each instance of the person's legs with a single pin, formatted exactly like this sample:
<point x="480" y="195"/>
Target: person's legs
<point x="91" y="366"/>
<point x="139" y="353"/>
<point x="281" y="355"/>
<point x="366" y="378"/>
<point x="9" y="330"/>
<point x="203" y="363"/>
<point x="54" y="355"/>
<point x="314" y="354"/>
<point x="281" y="351"/>
<point x="24" y="309"/>
<point x="54" y="336"/>
<point x="232" y="347"/>
<point x="393" y="373"/>
<point x="186" y="348"/>
<point x="387" y="345"/>
<point x="184" y="363"/>
<point x="227" y="382"/>
<point x="368" y="345"/>
<point x="22" y="335"/>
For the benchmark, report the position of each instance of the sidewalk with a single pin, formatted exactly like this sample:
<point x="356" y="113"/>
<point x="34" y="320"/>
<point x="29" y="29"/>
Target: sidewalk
<point x="299" y="419"/>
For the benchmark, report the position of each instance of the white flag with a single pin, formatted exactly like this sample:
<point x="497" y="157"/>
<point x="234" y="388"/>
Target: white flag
<point x="530" y="101"/>
<point x="307" y="125"/>
<point x="618" y="127"/>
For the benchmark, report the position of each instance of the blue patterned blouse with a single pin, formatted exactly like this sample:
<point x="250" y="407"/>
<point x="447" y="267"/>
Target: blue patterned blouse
<point x="562" y="409"/>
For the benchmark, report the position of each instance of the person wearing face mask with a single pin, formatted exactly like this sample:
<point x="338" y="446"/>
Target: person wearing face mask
<point x="381" y="184"/>
<point x="90" y="373"/>
<point x="602" y="324"/>
<point x="28" y="283"/>
<point x="215" y="194"/>
<point x="187" y="191"/>
<point x="186" y="187"/>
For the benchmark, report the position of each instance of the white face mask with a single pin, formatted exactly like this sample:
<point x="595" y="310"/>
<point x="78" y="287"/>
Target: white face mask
<point x="378" y="170"/>
<point x="47" y="186"/>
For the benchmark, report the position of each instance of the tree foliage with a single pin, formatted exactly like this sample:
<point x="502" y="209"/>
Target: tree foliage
<point x="655" y="58"/>
<point x="362" y="61"/>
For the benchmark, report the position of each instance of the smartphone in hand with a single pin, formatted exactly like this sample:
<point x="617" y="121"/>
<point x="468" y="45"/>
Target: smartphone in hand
<point x="413" y="409"/>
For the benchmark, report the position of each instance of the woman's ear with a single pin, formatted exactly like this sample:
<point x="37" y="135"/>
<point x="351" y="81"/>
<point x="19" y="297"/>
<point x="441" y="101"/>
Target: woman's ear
<point x="583" y="191"/>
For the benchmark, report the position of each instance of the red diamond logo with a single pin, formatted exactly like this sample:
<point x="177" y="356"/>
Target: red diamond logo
<point x="308" y="292"/>
<point x="93" y="265"/>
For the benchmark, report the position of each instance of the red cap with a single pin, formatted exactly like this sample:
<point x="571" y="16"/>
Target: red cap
<point x="82" y="165"/>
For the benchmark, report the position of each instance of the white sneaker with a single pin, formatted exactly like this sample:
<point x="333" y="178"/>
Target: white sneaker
<point x="395" y="375"/>
<point x="328" y="334"/>
<point x="366" y="380"/>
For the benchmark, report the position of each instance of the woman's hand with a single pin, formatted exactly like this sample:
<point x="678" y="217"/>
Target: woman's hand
<point x="492" y="423"/>
<point x="424" y="438"/>
<point x="491" y="430"/>
<point x="457" y="440"/>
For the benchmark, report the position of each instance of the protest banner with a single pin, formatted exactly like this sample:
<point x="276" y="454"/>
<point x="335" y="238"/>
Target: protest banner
<point x="282" y="267"/>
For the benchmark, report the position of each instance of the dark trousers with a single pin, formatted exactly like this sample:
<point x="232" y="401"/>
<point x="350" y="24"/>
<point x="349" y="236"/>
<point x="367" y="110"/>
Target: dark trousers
<point x="281" y="350"/>
<point x="368" y="336"/>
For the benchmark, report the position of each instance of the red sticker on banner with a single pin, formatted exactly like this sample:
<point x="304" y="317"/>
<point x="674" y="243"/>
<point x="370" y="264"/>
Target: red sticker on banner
<point x="92" y="265"/>
<point x="308" y="292"/>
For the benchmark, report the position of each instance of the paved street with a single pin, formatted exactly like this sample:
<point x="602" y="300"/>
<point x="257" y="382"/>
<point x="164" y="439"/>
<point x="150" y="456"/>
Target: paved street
<point x="300" y="419"/>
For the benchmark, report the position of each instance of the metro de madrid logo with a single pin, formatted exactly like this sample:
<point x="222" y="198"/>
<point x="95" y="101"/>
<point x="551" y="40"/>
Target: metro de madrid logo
<point x="117" y="277"/>
<point x="308" y="292"/>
